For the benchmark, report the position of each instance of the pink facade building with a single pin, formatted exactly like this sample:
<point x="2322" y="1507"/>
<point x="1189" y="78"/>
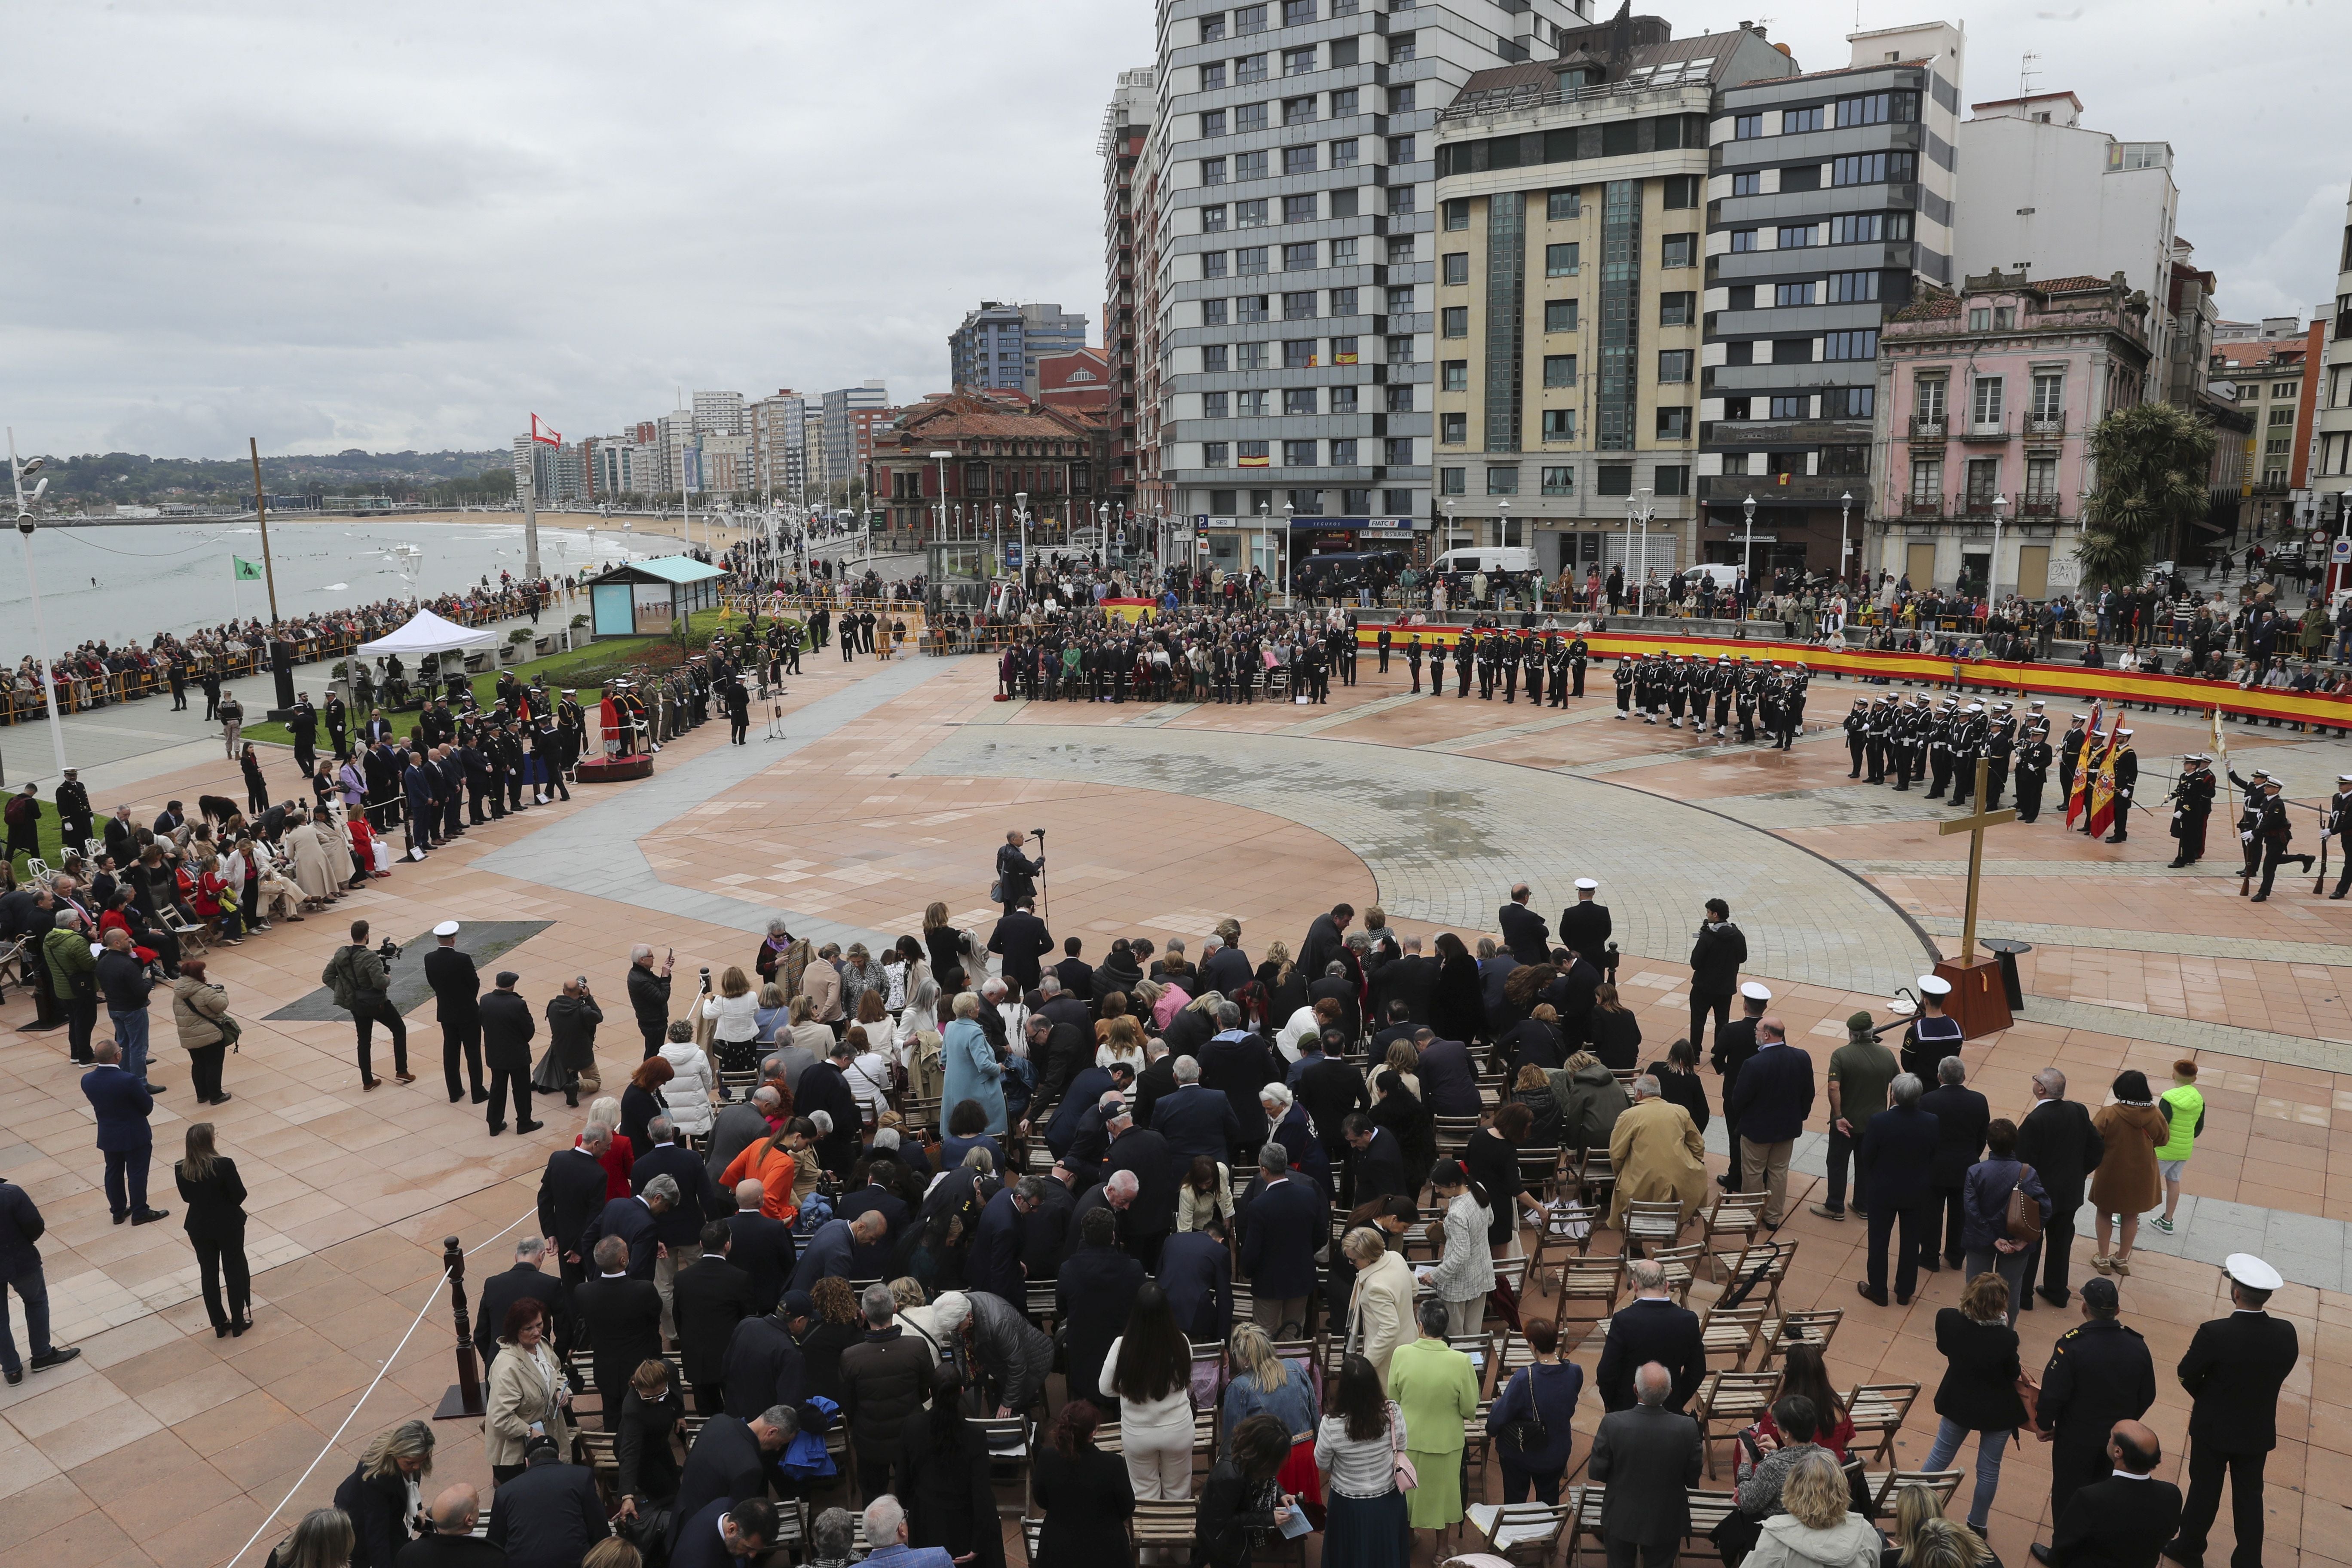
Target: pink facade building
<point x="1986" y="402"/>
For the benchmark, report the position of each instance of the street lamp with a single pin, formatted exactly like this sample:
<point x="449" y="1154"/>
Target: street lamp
<point x="1746" y="555"/>
<point x="1282" y="561"/>
<point x="941" y="459"/>
<point x="1993" y="563"/>
<point x="1845" y="510"/>
<point x="1643" y="511"/>
<point x="16" y="472"/>
<point x="1264" y="537"/>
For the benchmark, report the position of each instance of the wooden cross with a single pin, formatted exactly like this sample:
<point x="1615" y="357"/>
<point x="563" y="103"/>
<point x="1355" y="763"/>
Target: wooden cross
<point x="1974" y="826"/>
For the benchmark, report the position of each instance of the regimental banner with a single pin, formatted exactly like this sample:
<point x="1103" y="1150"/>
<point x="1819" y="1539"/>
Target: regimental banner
<point x="2102" y="785"/>
<point x="2078" y="790"/>
<point x="1998" y="676"/>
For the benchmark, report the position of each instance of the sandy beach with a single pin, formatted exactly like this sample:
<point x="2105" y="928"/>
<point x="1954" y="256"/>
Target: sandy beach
<point x="706" y="528"/>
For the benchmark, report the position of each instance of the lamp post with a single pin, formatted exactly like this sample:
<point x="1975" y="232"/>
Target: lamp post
<point x="1747" y="554"/>
<point x="1282" y="561"/>
<point x="1992" y="562"/>
<point x="1265" y="512"/>
<point x="1502" y="536"/>
<point x="1642" y="511"/>
<point x="1845" y="510"/>
<point x="941" y="459"/>
<point x="16" y="472"/>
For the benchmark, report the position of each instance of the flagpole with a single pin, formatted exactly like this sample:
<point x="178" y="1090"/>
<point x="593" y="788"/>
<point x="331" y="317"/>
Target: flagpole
<point x="261" y="515"/>
<point x="236" y="600"/>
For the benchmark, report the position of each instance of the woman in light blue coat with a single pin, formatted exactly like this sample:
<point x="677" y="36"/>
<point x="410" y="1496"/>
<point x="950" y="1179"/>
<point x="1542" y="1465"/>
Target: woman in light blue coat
<point x="970" y="1064"/>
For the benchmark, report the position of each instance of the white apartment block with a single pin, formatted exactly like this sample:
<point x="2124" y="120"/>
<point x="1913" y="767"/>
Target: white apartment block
<point x="778" y="430"/>
<point x="719" y="414"/>
<point x="2331" y="468"/>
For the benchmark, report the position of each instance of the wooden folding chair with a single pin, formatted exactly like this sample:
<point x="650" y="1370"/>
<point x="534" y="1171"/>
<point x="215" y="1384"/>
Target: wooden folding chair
<point x="1730" y="1401"/>
<point x="1042" y="1306"/>
<point x="1031" y="1529"/>
<point x="1589" y="1280"/>
<point x="1521" y="1531"/>
<point x="1510" y="1274"/>
<point x="1681" y="1265"/>
<point x="1477" y="1444"/>
<point x="1757" y="1269"/>
<point x="1816" y="1328"/>
<point x="1878" y="1411"/>
<point x="1888" y="1487"/>
<point x="1539" y="1171"/>
<point x="1733" y="1214"/>
<point x="1596" y="1176"/>
<point x="1454" y="1135"/>
<point x="1652" y="1224"/>
<point x="1161" y="1524"/>
<point x="1707" y="1510"/>
<point x="1584" y="1529"/>
<point x="1480" y="1348"/>
<point x="1731" y="1332"/>
<point x="1007" y="1438"/>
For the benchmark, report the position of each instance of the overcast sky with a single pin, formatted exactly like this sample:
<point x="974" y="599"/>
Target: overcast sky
<point x="417" y="228"/>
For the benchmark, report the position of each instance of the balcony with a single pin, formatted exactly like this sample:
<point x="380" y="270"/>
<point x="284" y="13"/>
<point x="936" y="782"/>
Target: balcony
<point x="2045" y="427"/>
<point x="2046" y="508"/>
<point x="1927" y="427"/>
<point x="1783" y="489"/>
<point x="1923" y="506"/>
<point x="1987" y="430"/>
<point x="1977" y="504"/>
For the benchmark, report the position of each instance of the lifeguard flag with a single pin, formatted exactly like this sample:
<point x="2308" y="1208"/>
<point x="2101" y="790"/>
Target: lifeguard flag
<point x="244" y="571"/>
<point x="542" y="435"/>
<point x="2078" y="795"/>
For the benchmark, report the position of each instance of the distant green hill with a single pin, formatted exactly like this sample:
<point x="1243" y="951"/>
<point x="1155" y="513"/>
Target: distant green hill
<point x="94" y="479"/>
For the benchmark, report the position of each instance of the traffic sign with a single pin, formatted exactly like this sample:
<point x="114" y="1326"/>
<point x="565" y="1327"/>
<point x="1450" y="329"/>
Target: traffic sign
<point x="2341" y="551"/>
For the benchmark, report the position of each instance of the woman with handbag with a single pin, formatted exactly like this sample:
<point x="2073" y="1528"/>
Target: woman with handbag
<point x="1435" y="1386"/>
<point x="1360" y="1449"/>
<point x="213" y="1199"/>
<point x="2127" y="1181"/>
<point x="1979" y="1393"/>
<point x="1241" y="1503"/>
<point x="1529" y="1419"/>
<point x="2005" y="1210"/>
<point x="200" y="1011"/>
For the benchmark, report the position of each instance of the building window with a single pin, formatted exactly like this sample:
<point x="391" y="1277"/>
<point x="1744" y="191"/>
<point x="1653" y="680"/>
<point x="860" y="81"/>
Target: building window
<point x="1300" y="209"/>
<point x="1212" y="170"/>
<point x="2040" y="481"/>
<point x="1212" y="219"/>
<point x="1798" y="236"/>
<point x="1862" y="345"/>
<point x="1877" y="108"/>
<point x="1454" y="375"/>
<point x="1343" y="252"/>
<point x="1852" y="288"/>
<point x="1250" y="214"/>
<point x="1249" y="19"/>
<point x="1681" y="191"/>
<point x="1400" y="346"/>
<point x="1735" y="463"/>
<point x="1849" y="402"/>
<point x="1673" y="425"/>
<point x="1743" y="239"/>
<point x="1212" y="312"/>
<point x="2282" y="416"/>
<point x="1559" y="424"/>
<point x="1400" y="298"/>
<point x="1343" y="153"/>
<point x="1250" y="117"/>
<point x="1785" y="294"/>
<point x="1343" y="102"/>
<point x="1561" y="260"/>
<point x="1298" y="161"/>
<point x="1212" y="264"/>
<point x="1559" y="481"/>
<point x="1213" y="406"/>
<point x="1399" y="451"/>
<point x="1253" y="454"/>
<point x="1795" y="121"/>
<point x="1984" y="482"/>
<point x="1672" y="478"/>
<point x="1343" y="400"/>
<point x="1298" y="62"/>
<point x="1250" y="262"/>
<point x="1298" y="353"/>
<point x="1985" y="407"/>
<point x="1250" y="308"/>
<point x="2286" y="388"/>
<point x="1614" y="479"/>
<point x="1800" y="407"/>
<point x="1750" y="184"/>
<point x="1456" y="213"/>
<point x="1212" y="358"/>
<point x="1400" y="250"/>
<point x="1677" y="310"/>
<point x="1927" y="399"/>
<point x="1213" y="29"/>
<point x="1402" y="52"/>
<point x="1343" y="351"/>
<point x="1298" y="454"/>
<point x="1298" y="306"/>
<point x="1927" y="482"/>
<point x="1297" y="13"/>
<point x="1249" y="69"/>
<point x="1747" y="127"/>
<point x="1559" y="370"/>
<point x="2049" y="396"/>
<point x="1454" y="429"/>
<point x="1249" y="356"/>
<point x="1560" y="315"/>
<point x="1249" y="404"/>
<point x="1674" y="365"/>
<point x="1872" y="168"/>
<point x="1560" y="206"/>
<point x="1343" y="454"/>
<point x="1503" y="480"/>
<point x="1212" y="124"/>
<point x="1792" y="350"/>
<point x="1457" y="269"/>
<point x="1216" y="454"/>
<point x="1455" y="322"/>
<point x="1450" y="481"/>
<point x="1400" y="200"/>
<point x="1212" y="77"/>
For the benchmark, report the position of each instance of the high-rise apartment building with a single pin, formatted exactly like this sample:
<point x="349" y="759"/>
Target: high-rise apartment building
<point x="719" y="414"/>
<point x="1125" y="130"/>
<point x="1290" y="168"/>
<point x="1047" y="331"/>
<point x="2279" y="383"/>
<point x="777" y="426"/>
<point x="1569" y="216"/>
<point x="985" y="352"/>
<point x="1832" y="203"/>
<point x="2331" y="470"/>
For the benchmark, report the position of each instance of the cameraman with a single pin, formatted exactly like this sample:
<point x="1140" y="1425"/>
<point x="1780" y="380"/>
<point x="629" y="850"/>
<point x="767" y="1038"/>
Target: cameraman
<point x="649" y="994"/>
<point x="1016" y="874"/>
<point x="358" y="977"/>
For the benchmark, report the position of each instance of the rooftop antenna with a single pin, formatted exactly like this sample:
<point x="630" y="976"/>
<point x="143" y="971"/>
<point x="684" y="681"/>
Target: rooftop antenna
<point x="2026" y="73"/>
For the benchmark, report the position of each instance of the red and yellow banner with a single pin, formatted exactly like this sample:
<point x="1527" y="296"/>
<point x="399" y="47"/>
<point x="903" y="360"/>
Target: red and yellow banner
<point x="1999" y="676"/>
<point x="1130" y="610"/>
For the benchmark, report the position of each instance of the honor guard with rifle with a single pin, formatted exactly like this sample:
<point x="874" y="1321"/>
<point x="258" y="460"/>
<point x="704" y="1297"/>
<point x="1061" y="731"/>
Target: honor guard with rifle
<point x="2192" y="808"/>
<point x="2033" y="769"/>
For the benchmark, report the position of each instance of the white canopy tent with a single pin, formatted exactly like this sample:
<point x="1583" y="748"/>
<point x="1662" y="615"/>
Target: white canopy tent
<point x="428" y="633"/>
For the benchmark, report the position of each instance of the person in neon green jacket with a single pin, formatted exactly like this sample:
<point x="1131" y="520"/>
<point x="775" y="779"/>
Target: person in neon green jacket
<point x="2186" y="1108"/>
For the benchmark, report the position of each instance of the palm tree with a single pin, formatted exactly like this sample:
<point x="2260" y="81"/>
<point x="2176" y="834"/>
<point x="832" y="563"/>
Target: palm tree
<point x="2152" y="462"/>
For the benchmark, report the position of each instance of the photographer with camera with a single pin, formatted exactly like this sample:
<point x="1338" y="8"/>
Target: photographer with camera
<point x="649" y="994"/>
<point x="359" y="976"/>
<point x="1016" y="874"/>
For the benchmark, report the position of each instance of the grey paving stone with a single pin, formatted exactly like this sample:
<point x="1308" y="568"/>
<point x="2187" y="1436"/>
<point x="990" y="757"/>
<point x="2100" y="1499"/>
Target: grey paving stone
<point x="2185" y="943"/>
<point x="2191" y="1033"/>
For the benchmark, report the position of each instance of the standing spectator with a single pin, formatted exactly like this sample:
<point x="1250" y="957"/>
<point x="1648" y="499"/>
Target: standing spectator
<point x="200" y="1015"/>
<point x="21" y="1228"/>
<point x="1735" y="1043"/>
<point x="1434" y="1386"/>
<point x="2099" y="1373"/>
<point x="1465" y="1274"/>
<point x="1770" y="1101"/>
<point x="1648" y="1456"/>
<point x="2058" y="1141"/>
<point x="1357" y="1445"/>
<point x="649" y="994"/>
<point x="73" y="979"/>
<point x="456" y="1008"/>
<point x="1991" y="1249"/>
<point x="382" y="1493"/>
<point x="123" y="980"/>
<point x="1094" y="1291"/>
<point x="643" y="1445"/>
<point x="1898" y="1162"/>
<point x="1279" y="1243"/>
<point x="1961" y="1117"/>
<point x="2124" y="1518"/>
<point x="708" y="1299"/>
<point x="885" y="1380"/>
<point x="1650" y="1328"/>
<point x="1978" y="1392"/>
<point x="507" y="1031"/>
<point x="1263" y="1384"/>
<point x="2184" y="1106"/>
<point x="2234" y="1370"/>
<point x="356" y="975"/>
<point x="1716" y="955"/>
<point x="2128" y="1181"/>
<point x="215" y="1196"/>
<point x="735" y="1034"/>
<point x="943" y="1469"/>
<point x="1859" y="1073"/>
<point x="1529" y="1419"/>
<point x="122" y="1105"/>
<point x="1818" y="1530"/>
<point x="970" y="1064"/>
<point x="549" y="1515"/>
<point x="1379" y="1310"/>
<point x="1149" y="1369"/>
<point x="1084" y="1493"/>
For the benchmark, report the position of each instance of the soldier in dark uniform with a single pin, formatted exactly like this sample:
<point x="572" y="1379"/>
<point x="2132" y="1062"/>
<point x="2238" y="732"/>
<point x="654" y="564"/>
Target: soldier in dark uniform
<point x="1384" y="659"/>
<point x="1412" y="654"/>
<point x="1941" y="723"/>
<point x="2127" y="762"/>
<point x="2099" y="1372"/>
<point x="75" y="820"/>
<point x="2232" y="1372"/>
<point x="1857" y="738"/>
<point x="2000" y="746"/>
<point x="338" y="720"/>
<point x="1772" y="700"/>
<point x="1623" y="678"/>
<point x="1579" y="652"/>
<point x="2193" y="808"/>
<point x="1725" y="681"/>
<point x="1744" y="695"/>
<point x="2033" y="771"/>
<point x="1793" y="710"/>
<point x="1877" y="729"/>
<point x="179" y="673"/>
<point x="2338" y="824"/>
<point x="1968" y="745"/>
<point x="2272" y="834"/>
<point x="1536" y="653"/>
<point x="1465" y="652"/>
<point x="2070" y="757"/>
<point x="1508" y="661"/>
<point x="1677" y="675"/>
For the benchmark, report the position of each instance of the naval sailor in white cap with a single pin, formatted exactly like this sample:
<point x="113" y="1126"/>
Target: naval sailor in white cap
<point x="457" y="991"/>
<point x="1584" y="925"/>
<point x="2232" y="1372"/>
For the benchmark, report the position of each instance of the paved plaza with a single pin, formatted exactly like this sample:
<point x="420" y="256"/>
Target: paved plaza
<point x="889" y="787"/>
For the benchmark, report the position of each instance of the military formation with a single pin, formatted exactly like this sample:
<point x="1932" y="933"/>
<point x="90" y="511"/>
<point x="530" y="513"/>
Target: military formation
<point x="1503" y="660"/>
<point x="1767" y="697"/>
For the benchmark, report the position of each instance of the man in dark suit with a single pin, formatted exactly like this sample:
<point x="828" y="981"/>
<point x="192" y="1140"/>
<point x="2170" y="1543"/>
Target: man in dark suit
<point x="621" y="1317"/>
<point x="1197" y="1271"/>
<point x="1113" y="1198"/>
<point x="1524" y="930"/>
<point x="1375" y="1162"/>
<point x="1717" y="954"/>
<point x="725" y="1534"/>
<point x="635" y="1218"/>
<point x="679" y="1227"/>
<point x="1281" y="1231"/>
<point x="571" y="1196"/>
<point x="1237" y="1063"/>
<point x="1094" y="1292"/>
<point x="763" y="1366"/>
<point x="456" y="1008"/>
<point x="709" y="1300"/>
<point x="1410" y="979"/>
<point x="1083" y="1092"/>
<point x="1076" y="975"/>
<point x="832" y="1249"/>
<point x="1144" y="1153"/>
<point x="1336" y="984"/>
<point x="1023" y="940"/>
<point x="1650" y="1328"/>
<point x="1647" y="1455"/>
<point x="2234" y="1370"/>
<point x="1735" y="1042"/>
<point x="739" y="1126"/>
<point x="1325" y="938"/>
<point x="876" y="1197"/>
<point x="2120" y="1520"/>
<point x="122" y="1105"/>
<point x="506" y="1027"/>
<point x="761" y="1248"/>
<point x="550" y="1513"/>
<point x="1961" y="1115"/>
<point x="1584" y="925"/>
<point x="2056" y="1138"/>
<point x="501" y="1291"/>
<point x="1449" y="1083"/>
<point x="994" y="1261"/>
<point x="1046" y="1230"/>
<point x="730" y="1460"/>
<point x="1225" y="968"/>
<point x="1195" y="1121"/>
<point x="1897" y="1164"/>
<point x="1772" y="1098"/>
<point x="2099" y="1373"/>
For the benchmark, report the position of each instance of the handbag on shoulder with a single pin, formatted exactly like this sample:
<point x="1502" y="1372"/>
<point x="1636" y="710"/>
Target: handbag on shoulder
<point x="2025" y="1219"/>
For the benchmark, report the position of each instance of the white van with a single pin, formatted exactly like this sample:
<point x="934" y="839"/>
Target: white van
<point x="1724" y="577"/>
<point x="1493" y="561"/>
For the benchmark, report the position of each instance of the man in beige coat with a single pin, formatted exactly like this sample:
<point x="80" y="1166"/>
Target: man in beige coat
<point x="1379" y="1314"/>
<point x="1658" y="1153"/>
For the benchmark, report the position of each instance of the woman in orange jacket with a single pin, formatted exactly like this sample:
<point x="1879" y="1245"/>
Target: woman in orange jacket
<point x="774" y="1163"/>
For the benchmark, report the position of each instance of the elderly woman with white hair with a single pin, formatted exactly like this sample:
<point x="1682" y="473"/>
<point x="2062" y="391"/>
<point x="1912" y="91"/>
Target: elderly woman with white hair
<point x="919" y="1042"/>
<point x="970" y="1068"/>
<point x="1289" y="1124"/>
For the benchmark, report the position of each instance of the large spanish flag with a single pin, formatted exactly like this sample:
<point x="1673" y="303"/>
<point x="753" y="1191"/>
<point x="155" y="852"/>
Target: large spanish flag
<point x="2103" y="787"/>
<point x="2078" y="795"/>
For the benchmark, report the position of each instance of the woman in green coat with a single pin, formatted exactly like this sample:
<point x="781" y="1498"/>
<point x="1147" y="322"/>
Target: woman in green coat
<point x="1437" y="1389"/>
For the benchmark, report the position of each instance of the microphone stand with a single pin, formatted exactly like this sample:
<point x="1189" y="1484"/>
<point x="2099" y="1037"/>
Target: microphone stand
<point x="1045" y="899"/>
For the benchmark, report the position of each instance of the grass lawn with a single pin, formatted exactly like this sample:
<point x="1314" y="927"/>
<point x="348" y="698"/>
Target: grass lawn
<point x="52" y="844"/>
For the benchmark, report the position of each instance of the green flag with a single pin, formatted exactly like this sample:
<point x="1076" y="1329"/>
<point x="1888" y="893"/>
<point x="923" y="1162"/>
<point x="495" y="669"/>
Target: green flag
<point x="246" y="572"/>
